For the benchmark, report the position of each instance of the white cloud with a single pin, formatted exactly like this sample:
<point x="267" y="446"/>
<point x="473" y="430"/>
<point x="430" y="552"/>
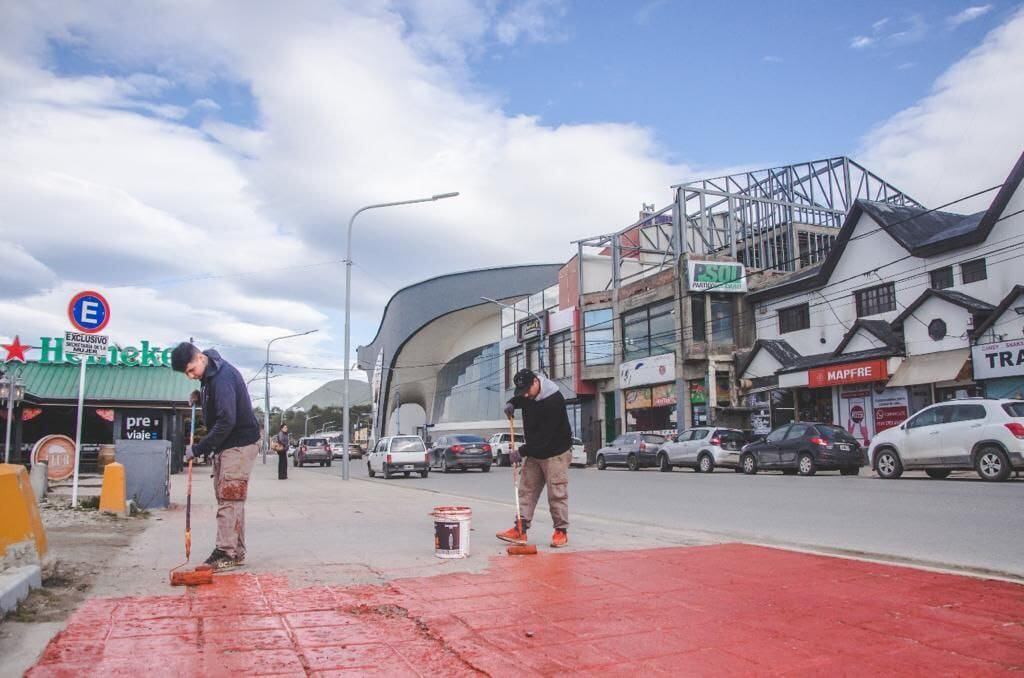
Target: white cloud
<point x="966" y="134"/>
<point x="967" y="15"/>
<point x="772" y="59"/>
<point x="861" y="41"/>
<point x="891" y="32"/>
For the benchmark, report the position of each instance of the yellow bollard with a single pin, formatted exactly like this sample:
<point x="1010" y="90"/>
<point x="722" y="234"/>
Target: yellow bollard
<point x="19" y="513"/>
<point x="112" y="496"/>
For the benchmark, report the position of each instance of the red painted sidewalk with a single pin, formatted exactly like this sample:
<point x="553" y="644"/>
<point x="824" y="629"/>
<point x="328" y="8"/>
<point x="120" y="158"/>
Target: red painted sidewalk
<point x="716" y="610"/>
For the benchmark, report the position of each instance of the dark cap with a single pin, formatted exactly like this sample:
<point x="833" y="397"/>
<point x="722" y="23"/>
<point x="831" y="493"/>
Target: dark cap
<point x="523" y="381"/>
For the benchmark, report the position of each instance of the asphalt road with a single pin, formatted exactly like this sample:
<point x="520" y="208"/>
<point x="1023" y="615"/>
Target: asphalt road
<point x="960" y="522"/>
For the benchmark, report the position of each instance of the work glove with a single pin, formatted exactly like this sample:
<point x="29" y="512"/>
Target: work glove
<point x="515" y="456"/>
<point x="510" y="410"/>
<point x="189" y="453"/>
<point x="193" y="398"/>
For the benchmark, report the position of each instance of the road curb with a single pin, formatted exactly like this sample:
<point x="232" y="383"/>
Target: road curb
<point x="15" y="585"/>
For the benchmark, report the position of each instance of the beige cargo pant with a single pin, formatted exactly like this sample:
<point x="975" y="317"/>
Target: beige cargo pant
<point x="231" y="469"/>
<point x="552" y="473"/>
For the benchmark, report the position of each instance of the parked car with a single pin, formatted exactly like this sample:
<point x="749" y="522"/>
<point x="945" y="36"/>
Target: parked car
<point x="337" y="442"/>
<point x="462" y="451"/>
<point x="500" y="447"/>
<point x="804" y="448"/>
<point x="579" y="453"/>
<point x="703" y="449"/>
<point x="983" y="434"/>
<point x="312" y="450"/>
<point x="632" y="450"/>
<point x="399" y="454"/>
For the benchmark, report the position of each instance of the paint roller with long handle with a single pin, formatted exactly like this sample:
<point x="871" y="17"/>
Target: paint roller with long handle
<point x="517" y="549"/>
<point x="198" y="576"/>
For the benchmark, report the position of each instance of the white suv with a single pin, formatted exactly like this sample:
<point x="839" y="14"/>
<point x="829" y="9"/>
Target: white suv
<point x="983" y="434"/>
<point x="398" y="454"/>
<point x="500" y="448"/>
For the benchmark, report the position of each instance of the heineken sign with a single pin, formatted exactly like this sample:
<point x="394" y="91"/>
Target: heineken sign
<point x="715" y="276"/>
<point x="53" y="351"/>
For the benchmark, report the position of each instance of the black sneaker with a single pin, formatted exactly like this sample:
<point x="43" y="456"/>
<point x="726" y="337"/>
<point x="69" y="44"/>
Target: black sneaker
<point x="220" y="561"/>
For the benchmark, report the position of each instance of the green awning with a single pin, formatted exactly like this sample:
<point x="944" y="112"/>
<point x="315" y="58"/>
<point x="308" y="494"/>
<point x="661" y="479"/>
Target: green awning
<point x="104" y="384"/>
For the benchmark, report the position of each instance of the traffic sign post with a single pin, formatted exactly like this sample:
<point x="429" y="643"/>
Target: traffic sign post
<point x="89" y="313"/>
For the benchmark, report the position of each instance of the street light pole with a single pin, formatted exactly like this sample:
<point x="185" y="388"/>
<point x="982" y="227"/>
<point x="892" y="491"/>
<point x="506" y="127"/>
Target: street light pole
<point x="540" y="325"/>
<point x="348" y="307"/>
<point x="305" y="431"/>
<point x="266" y="390"/>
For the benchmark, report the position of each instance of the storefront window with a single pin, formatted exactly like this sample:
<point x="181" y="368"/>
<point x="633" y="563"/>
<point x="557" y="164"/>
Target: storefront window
<point x="783" y="409"/>
<point x="698" y="402"/>
<point x="722" y="389"/>
<point x="561" y="356"/>
<point x="815" y="405"/>
<point x="648" y="331"/>
<point x="721" y="320"/>
<point x="598" y="341"/>
<point x="651" y="408"/>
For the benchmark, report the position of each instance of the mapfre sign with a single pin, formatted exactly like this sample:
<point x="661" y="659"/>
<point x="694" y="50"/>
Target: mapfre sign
<point x="850" y="373"/>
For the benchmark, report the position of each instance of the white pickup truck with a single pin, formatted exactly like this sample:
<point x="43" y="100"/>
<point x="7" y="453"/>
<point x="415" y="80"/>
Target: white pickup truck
<point x="398" y="454"/>
<point x="501" y="448"/>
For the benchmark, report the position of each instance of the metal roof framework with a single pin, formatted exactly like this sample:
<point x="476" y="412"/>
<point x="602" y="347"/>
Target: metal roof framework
<point x="748" y="215"/>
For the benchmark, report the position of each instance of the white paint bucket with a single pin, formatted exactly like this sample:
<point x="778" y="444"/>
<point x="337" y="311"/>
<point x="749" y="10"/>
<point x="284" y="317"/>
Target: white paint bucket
<point x="451" y="531"/>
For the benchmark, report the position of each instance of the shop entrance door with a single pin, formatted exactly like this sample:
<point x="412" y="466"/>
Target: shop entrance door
<point x="609" y="417"/>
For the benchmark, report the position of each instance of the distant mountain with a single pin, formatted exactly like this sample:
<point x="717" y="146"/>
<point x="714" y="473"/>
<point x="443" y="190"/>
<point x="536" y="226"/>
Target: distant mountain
<point x="332" y="393"/>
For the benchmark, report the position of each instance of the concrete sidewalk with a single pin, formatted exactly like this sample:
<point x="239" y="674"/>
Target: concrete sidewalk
<point x="714" y="610"/>
<point x="315" y="528"/>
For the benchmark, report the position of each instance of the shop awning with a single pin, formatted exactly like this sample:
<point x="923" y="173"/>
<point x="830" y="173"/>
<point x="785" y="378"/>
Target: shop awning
<point x="931" y="368"/>
<point x="106" y="384"/>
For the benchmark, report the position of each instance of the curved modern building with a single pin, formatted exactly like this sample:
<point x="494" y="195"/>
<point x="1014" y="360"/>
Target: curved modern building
<point x="439" y="347"/>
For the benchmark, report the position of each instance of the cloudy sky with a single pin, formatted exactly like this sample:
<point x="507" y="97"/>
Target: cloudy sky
<point x="198" y="161"/>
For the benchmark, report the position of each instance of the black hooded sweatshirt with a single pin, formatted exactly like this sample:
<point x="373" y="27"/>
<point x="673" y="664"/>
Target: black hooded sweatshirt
<point x="227" y="410"/>
<point x="545" y="426"/>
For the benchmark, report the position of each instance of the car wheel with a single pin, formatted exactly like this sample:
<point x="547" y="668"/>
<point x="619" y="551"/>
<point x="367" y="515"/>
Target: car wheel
<point x="295" y="461"/>
<point x="663" y="463"/>
<point x="938" y="473"/>
<point x="805" y="465"/>
<point x="855" y="471"/>
<point x="444" y="464"/>
<point x="387" y="472"/>
<point x="369" y="470"/>
<point x="406" y="473"/>
<point x="749" y="464"/>
<point x="329" y="462"/>
<point x="424" y="473"/>
<point x="632" y="463"/>
<point x="888" y="464"/>
<point x="992" y="464"/>
<point x="486" y="468"/>
<point x="503" y="460"/>
<point x="705" y="464"/>
<point x="601" y="465"/>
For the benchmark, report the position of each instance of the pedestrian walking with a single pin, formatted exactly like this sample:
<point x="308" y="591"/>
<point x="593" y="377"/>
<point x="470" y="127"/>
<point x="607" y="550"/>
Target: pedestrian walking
<point x="545" y="454"/>
<point x="280" y="445"/>
<point x="232" y="439"/>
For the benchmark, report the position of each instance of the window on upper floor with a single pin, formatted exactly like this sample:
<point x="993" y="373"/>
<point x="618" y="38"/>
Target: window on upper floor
<point x="561" y="356"/>
<point x="598" y="342"/>
<point x="942" y="278"/>
<point x="875" y="300"/>
<point x="794" y="318"/>
<point x="648" y="331"/>
<point x="973" y="271"/>
<point x="515" y="360"/>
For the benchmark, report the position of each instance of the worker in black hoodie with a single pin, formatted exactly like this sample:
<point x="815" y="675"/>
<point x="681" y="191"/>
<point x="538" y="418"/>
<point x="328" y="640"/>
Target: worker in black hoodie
<point x="233" y="440"/>
<point x="545" y="454"/>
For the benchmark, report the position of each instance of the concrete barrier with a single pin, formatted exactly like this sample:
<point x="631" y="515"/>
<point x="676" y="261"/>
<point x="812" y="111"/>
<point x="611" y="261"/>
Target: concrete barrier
<point x="113" y="496"/>
<point x="21" y="521"/>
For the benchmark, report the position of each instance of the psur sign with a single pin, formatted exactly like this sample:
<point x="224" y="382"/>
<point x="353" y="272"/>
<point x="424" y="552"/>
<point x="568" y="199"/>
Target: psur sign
<point x="999" y="359"/>
<point x="849" y="373"/>
<point x="715" y="276"/>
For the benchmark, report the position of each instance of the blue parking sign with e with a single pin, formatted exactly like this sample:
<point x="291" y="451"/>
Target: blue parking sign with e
<point x="89" y="312"/>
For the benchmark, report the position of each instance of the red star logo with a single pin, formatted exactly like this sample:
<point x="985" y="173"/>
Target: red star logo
<point x="16" y="351"/>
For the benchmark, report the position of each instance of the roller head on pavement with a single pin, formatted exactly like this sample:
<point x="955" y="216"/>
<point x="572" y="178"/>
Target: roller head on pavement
<point x="522" y="549"/>
<point x="196" y="577"/>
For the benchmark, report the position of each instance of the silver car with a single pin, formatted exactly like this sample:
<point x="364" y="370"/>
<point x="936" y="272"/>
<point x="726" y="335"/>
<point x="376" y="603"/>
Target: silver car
<point x="703" y="449"/>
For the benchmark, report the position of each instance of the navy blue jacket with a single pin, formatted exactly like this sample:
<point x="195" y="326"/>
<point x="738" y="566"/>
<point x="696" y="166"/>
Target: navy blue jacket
<point x="227" y="410"/>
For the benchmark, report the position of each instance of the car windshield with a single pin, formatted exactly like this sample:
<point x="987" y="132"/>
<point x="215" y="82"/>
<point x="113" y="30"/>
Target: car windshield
<point x="467" y="439"/>
<point x="835" y="433"/>
<point x="654" y="439"/>
<point x="312" y="442"/>
<point x="1014" y="409"/>
<point x="407" y="445"/>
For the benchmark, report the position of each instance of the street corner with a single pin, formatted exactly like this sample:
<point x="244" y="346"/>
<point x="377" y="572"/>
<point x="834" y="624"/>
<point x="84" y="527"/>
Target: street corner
<point x="703" y="610"/>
